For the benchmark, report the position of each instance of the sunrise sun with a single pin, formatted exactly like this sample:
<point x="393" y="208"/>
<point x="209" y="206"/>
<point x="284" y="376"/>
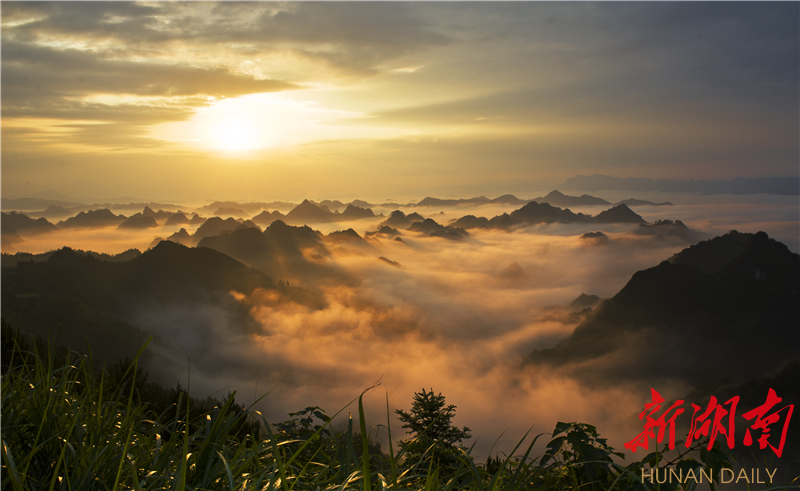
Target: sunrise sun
<point x="235" y="134"/>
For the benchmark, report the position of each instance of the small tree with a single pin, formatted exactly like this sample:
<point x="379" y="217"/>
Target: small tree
<point x="429" y="422"/>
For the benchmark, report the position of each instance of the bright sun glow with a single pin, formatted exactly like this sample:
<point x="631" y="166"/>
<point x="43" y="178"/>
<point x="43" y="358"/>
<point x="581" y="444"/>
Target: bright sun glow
<point x="261" y="121"/>
<point x="235" y="134"/>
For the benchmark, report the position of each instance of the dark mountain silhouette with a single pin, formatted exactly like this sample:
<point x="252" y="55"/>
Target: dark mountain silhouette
<point x="734" y="315"/>
<point x="534" y="213"/>
<point x="9" y="237"/>
<point x="584" y="301"/>
<point x="595" y="237"/>
<point x="619" y="214"/>
<point x="307" y="212"/>
<point x="213" y="226"/>
<point x="138" y="222"/>
<point x="663" y="228"/>
<point x="26" y="225"/>
<point x="506" y="199"/>
<point x="433" y="229"/>
<point x="398" y="239"/>
<point x="247" y="224"/>
<point x="641" y="202"/>
<point x="158" y="215"/>
<point x="340" y="236"/>
<point x="361" y="204"/>
<point x="348" y="242"/>
<point x="384" y="230"/>
<point x="400" y="220"/>
<point x="390" y="262"/>
<point x="87" y="298"/>
<point x="10" y="260"/>
<point x="355" y="213"/>
<point x="265" y="218"/>
<point x="281" y="251"/>
<point x="92" y="219"/>
<point x="770" y="185"/>
<point x="181" y="237"/>
<point x="178" y="218"/>
<point x="537" y="213"/>
<point x="197" y="220"/>
<point x="557" y="198"/>
<point x="470" y="221"/>
<point x="711" y="255"/>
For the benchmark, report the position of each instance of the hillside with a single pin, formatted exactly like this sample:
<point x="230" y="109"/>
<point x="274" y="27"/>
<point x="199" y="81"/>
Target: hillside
<point x="713" y="310"/>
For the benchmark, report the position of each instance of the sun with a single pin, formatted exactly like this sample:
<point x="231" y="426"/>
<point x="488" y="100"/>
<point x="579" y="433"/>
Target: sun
<point x="235" y="134"/>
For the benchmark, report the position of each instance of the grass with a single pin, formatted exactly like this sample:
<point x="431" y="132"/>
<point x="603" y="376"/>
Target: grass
<point x="68" y="425"/>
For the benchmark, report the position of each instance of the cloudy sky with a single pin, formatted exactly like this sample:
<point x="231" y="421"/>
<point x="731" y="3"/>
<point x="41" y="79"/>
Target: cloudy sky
<point x="193" y="101"/>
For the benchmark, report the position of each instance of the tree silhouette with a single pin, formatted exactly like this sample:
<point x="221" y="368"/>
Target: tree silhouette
<point x="434" y="436"/>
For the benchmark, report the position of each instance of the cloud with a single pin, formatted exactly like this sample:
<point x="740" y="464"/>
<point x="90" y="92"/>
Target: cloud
<point x="443" y="321"/>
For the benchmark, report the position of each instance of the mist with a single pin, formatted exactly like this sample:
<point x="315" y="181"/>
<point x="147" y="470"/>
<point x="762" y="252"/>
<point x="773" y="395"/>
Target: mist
<point x="455" y="316"/>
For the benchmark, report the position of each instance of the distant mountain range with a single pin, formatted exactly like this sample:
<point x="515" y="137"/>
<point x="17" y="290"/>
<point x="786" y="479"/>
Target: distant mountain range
<point x="281" y="251"/>
<point x="557" y="198"/>
<point x="740" y="185"/>
<point x="726" y="307"/>
<point x="537" y="213"/>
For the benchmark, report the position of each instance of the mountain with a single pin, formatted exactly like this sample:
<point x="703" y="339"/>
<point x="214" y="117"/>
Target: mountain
<point x="307" y="212"/>
<point x="34" y="204"/>
<point x="619" y="214"/>
<point x="335" y="205"/>
<point x="181" y="237"/>
<point x="265" y="218"/>
<point x="348" y="242"/>
<point x="384" y="230"/>
<point x="214" y="226"/>
<point x="726" y="307"/>
<point x="361" y="204"/>
<point x="535" y="213"/>
<point x="178" y="218"/>
<point x="92" y="219"/>
<point x="343" y="236"/>
<point x="641" y="202"/>
<point x="771" y="185"/>
<point x="596" y="238"/>
<point x="584" y="301"/>
<point x="230" y="212"/>
<point x="556" y="198"/>
<point x="282" y="251"/>
<point x="470" y="221"/>
<point x="431" y="228"/>
<point x="139" y="222"/>
<point x="355" y="213"/>
<point x="506" y="199"/>
<point x="52" y="211"/>
<point x="86" y="298"/>
<point x="400" y="220"/>
<point x="8" y="237"/>
<point x="248" y="208"/>
<point x="664" y="228"/>
<point x="26" y="225"/>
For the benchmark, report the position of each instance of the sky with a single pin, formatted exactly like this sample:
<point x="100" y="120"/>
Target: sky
<point x="188" y="101"/>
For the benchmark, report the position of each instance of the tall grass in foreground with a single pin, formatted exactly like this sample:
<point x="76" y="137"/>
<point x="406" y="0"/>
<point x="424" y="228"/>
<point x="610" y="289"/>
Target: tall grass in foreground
<point x="65" y="428"/>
